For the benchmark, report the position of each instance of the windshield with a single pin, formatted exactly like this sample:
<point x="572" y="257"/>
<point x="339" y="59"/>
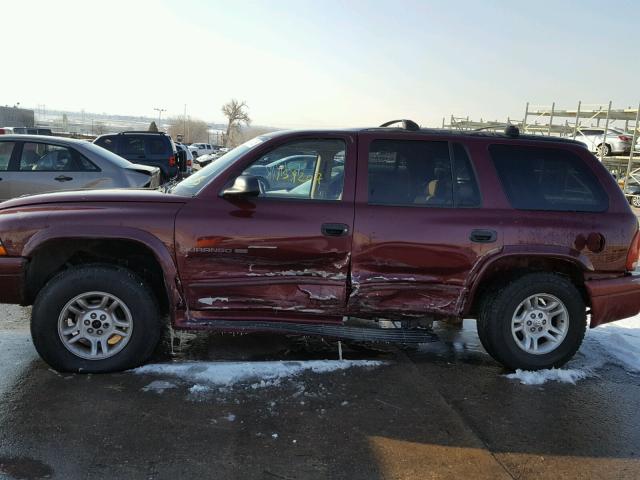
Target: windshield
<point x="192" y="185"/>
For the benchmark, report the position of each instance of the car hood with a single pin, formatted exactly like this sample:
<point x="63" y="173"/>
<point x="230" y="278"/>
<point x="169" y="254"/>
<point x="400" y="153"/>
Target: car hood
<point x="122" y="195"/>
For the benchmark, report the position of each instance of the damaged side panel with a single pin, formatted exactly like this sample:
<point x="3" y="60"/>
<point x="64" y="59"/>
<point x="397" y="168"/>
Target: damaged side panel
<point x="269" y="260"/>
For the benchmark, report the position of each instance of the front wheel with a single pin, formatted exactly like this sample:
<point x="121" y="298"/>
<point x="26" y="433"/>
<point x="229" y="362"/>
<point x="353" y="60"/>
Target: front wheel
<point x="603" y="150"/>
<point x="95" y="319"/>
<point x="635" y="201"/>
<point x="536" y="321"/>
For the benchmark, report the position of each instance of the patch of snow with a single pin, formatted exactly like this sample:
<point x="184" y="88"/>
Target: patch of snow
<point x="540" y="377"/>
<point x="616" y="343"/>
<point x="274" y="436"/>
<point x="230" y="418"/>
<point x="264" y="374"/>
<point x="159" y="386"/>
<point x="197" y="388"/>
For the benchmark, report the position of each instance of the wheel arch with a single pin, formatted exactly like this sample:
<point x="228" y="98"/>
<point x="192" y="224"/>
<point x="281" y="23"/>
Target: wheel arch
<point x="53" y="250"/>
<point x="501" y="269"/>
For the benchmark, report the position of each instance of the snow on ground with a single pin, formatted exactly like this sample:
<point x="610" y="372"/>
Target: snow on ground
<point x="616" y="343"/>
<point x="206" y="375"/>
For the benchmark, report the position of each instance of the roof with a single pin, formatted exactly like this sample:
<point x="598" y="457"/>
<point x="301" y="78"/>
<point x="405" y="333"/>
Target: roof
<point x="41" y="138"/>
<point x="434" y="132"/>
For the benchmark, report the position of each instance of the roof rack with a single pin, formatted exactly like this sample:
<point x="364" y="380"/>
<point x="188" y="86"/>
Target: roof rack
<point x="406" y="124"/>
<point x="142" y="131"/>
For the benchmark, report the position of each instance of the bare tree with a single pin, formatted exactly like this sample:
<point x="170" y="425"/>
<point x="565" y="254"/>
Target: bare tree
<point x="190" y="130"/>
<point x="236" y="116"/>
<point x="99" y="128"/>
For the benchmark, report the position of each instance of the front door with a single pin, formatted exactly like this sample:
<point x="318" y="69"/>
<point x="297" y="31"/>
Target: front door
<point x="281" y="255"/>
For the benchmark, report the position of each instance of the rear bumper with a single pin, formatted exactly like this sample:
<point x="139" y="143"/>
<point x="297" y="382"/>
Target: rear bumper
<point x="613" y="299"/>
<point x="12" y="279"/>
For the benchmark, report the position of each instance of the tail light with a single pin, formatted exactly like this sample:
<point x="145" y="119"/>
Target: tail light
<point x="172" y="161"/>
<point x="2" y="131"/>
<point x="634" y="252"/>
<point x="189" y="163"/>
<point x="624" y="138"/>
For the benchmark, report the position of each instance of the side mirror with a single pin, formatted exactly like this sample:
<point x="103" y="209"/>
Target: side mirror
<point x="245" y="186"/>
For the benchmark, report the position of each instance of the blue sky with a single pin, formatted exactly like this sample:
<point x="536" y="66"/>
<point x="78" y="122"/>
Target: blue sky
<point x="324" y="63"/>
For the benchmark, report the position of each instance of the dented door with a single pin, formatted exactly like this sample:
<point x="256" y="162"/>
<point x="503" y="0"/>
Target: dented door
<point x="419" y="230"/>
<point x="283" y="256"/>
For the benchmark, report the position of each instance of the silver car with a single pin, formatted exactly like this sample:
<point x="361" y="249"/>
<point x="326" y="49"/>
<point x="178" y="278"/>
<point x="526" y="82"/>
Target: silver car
<point x="32" y="164"/>
<point x="616" y="142"/>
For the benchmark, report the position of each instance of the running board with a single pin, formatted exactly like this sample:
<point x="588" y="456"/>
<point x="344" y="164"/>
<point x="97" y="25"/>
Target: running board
<point x="362" y="334"/>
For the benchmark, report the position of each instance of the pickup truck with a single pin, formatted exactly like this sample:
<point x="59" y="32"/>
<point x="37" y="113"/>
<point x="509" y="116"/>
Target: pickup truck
<point x="198" y="149"/>
<point x="391" y="227"/>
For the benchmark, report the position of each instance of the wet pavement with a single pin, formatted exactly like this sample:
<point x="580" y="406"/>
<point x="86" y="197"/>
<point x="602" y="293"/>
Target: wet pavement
<point x="444" y="410"/>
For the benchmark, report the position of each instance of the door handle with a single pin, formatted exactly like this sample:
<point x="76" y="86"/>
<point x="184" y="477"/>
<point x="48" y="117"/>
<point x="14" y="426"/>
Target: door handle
<point x="483" y="236"/>
<point x="335" y="229"/>
<point x="62" y="178"/>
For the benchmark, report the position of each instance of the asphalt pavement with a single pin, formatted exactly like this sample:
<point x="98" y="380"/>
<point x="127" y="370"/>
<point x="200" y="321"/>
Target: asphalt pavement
<point x="444" y="410"/>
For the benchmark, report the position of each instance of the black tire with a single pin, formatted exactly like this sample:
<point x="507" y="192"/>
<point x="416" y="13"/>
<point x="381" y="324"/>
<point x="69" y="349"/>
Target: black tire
<point x="120" y="282"/>
<point x="635" y="201"/>
<point x="494" y="321"/>
<point x="606" y="149"/>
<point x="194" y="155"/>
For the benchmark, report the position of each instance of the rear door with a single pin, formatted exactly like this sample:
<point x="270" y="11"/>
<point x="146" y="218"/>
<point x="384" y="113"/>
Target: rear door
<point x="419" y="225"/>
<point x="284" y="254"/>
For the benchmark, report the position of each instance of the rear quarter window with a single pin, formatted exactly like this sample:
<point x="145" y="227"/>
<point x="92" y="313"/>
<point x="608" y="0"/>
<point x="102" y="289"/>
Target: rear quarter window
<point x="158" y="146"/>
<point x="549" y="179"/>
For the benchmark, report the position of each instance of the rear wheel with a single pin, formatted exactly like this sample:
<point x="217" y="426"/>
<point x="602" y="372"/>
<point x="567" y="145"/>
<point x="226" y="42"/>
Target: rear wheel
<point x="95" y="319"/>
<point x="537" y="321"/>
<point x="635" y="201"/>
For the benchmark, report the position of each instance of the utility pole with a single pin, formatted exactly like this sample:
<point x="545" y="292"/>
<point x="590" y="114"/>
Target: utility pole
<point x="159" y="110"/>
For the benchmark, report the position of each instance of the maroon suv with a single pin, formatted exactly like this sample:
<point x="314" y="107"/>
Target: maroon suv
<point x="333" y="233"/>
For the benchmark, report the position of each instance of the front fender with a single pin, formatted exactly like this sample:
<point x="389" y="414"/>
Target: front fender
<point x="161" y="251"/>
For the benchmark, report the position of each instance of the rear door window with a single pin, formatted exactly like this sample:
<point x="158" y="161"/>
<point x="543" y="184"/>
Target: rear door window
<point x="547" y="179"/>
<point x="6" y="149"/>
<point x="410" y="172"/>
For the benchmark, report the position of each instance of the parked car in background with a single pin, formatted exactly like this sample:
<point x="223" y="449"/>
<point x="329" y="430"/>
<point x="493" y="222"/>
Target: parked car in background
<point x="530" y="235"/>
<point x="198" y="149"/>
<point x="632" y="192"/>
<point x="185" y="159"/>
<point x="616" y="141"/>
<point x="204" y="160"/>
<point x="155" y="149"/>
<point x="25" y="131"/>
<point x="32" y="164"/>
<point x="284" y="173"/>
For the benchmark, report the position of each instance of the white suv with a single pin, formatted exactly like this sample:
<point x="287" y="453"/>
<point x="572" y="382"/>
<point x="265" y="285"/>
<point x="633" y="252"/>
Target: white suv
<point x="198" y="149"/>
